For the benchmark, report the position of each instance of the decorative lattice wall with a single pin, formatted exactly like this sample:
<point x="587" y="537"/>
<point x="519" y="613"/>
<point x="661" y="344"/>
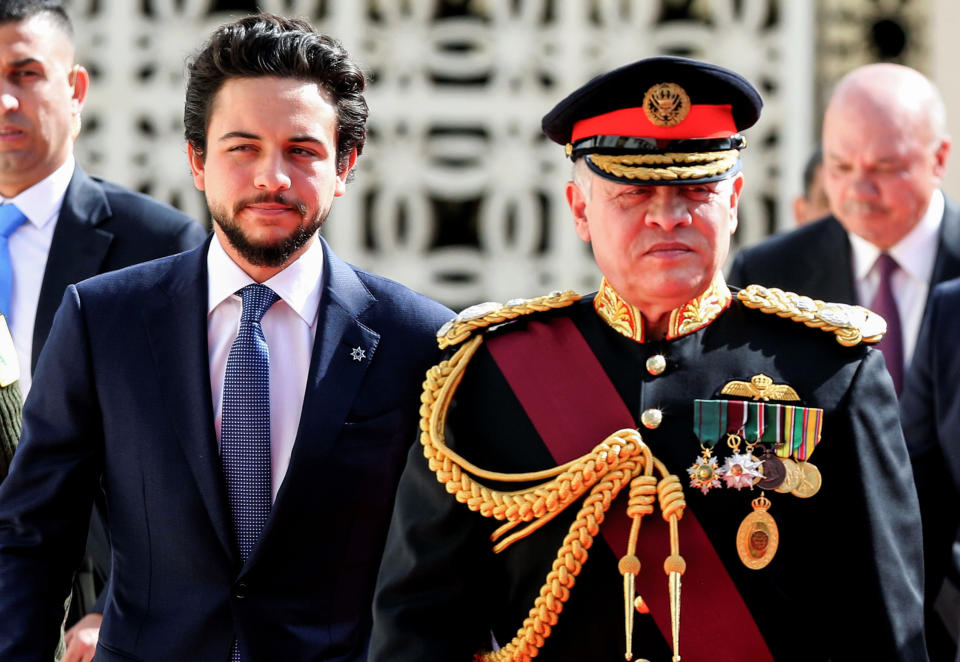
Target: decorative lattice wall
<point x="457" y="194"/>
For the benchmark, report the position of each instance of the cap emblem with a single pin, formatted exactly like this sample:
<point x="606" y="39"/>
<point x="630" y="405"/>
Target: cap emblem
<point x="666" y="104"/>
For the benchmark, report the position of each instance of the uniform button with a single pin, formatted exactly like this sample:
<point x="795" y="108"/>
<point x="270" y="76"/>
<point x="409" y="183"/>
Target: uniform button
<point x="240" y="591"/>
<point x="656" y="364"/>
<point x="651" y="418"/>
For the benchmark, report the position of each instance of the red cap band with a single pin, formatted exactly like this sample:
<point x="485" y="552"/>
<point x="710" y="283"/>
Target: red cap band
<point x="703" y="121"/>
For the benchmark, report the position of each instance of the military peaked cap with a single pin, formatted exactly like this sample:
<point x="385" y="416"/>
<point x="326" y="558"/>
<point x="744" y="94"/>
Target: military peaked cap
<point x="662" y="120"/>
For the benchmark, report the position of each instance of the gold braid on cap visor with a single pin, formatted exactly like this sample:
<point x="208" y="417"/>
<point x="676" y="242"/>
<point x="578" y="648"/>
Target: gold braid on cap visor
<point x="644" y="166"/>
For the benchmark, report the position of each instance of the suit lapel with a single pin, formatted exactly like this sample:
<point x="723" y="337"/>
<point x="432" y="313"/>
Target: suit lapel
<point x="336" y="372"/>
<point x="77" y="250"/>
<point x="947" y="264"/>
<point x="176" y="324"/>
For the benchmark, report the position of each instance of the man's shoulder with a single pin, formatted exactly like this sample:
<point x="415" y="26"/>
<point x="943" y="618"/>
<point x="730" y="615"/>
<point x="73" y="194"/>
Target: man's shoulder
<point x="136" y="279"/>
<point x="794" y="242"/>
<point x="400" y="302"/>
<point x="140" y="211"/>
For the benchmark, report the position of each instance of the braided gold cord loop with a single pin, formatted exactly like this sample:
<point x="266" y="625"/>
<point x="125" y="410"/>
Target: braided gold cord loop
<point x="620" y="460"/>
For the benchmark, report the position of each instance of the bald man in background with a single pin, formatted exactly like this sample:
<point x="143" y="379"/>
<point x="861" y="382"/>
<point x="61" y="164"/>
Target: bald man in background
<point x="891" y="237"/>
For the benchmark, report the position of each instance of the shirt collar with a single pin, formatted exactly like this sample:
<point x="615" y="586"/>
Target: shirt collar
<point x="41" y="202"/>
<point x="299" y="284"/>
<point x="915" y="253"/>
<point x="626" y="319"/>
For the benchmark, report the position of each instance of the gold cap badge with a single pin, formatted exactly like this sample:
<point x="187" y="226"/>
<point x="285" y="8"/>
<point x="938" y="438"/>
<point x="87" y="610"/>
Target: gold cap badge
<point x="666" y="104"/>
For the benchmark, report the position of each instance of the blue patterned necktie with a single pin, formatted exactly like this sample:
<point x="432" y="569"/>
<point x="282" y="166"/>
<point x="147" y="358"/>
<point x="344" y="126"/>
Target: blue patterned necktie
<point x="245" y="425"/>
<point x="10" y="219"/>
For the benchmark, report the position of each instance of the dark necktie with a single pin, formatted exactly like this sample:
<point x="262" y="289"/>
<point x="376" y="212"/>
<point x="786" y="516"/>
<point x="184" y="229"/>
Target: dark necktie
<point x="245" y="426"/>
<point x="883" y="303"/>
<point x="10" y="219"/>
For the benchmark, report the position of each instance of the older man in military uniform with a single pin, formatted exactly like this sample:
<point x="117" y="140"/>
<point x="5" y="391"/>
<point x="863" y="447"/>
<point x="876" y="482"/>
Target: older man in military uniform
<point x="765" y="509"/>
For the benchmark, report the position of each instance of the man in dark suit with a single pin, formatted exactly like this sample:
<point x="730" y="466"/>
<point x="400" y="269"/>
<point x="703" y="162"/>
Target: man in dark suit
<point x="893" y="234"/>
<point x="246" y="406"/>
<point x="931" y="418"/>
<point x="67" y="226"/>
<point x="885" y="150"/>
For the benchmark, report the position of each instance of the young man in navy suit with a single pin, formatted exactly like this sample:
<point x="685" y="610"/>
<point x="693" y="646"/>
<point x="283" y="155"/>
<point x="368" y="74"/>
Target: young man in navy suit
<point x="245" y="406"/>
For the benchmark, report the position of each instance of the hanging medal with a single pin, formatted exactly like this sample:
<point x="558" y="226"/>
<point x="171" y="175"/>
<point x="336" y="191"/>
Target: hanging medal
<point x="758" y="536"/>
<point x="801" y="430"/>
<point x="740" y="469"/>
<point x="768" y="435"/>
<point x="709" y="424"/>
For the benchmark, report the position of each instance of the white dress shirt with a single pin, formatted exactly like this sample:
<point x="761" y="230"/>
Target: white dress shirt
<point x="289" y="326"/>
<point x="916" y="254"/>
<point x="29" y="249"/>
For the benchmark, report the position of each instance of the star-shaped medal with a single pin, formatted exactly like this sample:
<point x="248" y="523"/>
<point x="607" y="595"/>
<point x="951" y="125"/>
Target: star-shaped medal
<point x="357" y="354"/>
<point x="704" y="474"/>
<point x="741" y="470"/>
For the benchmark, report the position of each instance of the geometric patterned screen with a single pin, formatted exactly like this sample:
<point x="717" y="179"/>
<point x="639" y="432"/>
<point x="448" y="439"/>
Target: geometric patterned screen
<point x="457" y="194"/>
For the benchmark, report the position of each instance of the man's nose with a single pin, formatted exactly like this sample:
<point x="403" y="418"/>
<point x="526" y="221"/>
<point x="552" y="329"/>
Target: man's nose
<point x="667" y="210"/>
<point x="271" y="174"/>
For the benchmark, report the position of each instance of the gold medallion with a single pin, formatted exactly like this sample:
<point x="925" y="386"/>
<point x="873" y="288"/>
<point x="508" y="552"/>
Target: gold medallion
<point x="810" y="481"/>
<point x="758" y="536"/>
<point x="792" y="478"/>
<point x="666" y="104"/>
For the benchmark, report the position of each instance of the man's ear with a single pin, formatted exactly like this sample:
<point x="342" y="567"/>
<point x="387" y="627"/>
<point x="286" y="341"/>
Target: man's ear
<point x="196" y="166"/>
<point x="342" y="176"/>
<point x="735" y="189"/>
<point x="79" y="79"/>
<point x="577" y="202"/>
<point x="940" y="155"/>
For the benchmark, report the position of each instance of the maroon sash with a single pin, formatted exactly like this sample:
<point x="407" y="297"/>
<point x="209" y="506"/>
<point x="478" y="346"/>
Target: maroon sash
<point x="574" y="406"/>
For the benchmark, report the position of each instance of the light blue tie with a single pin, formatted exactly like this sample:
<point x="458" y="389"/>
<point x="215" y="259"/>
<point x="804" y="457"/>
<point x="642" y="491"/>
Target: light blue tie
<point x="245" y="425"/>
<point x="10" y="219"/>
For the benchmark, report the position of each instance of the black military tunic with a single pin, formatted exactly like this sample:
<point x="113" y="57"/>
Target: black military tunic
<point x="845" y="583"/>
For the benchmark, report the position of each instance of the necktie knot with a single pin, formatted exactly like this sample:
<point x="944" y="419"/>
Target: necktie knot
<point x="10" y="219"/>
<point x="886" y="266"/>
<point x="257" y="299"/>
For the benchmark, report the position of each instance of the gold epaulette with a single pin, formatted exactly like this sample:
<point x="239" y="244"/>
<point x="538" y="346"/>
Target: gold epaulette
<point x="487" y="314"/>
<point x="852" y="325"/>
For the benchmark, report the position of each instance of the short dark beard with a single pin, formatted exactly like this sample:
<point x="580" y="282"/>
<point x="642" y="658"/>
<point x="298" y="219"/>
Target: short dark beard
<point x="266" y="255"/>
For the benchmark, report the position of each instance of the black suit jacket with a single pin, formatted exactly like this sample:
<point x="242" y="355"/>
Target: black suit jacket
<point x="102" y="227"/>
<point x="931" y="417"/>
<point x="122" y="397"/>
<point x="815" y="259"/>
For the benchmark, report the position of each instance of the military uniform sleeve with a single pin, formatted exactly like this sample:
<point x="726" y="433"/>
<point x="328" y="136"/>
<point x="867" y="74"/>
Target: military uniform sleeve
<point x="10" y="405"/>
<point x="874" y="541"/>
<point x="430" y="597"/>
<point x="46" y="500"/>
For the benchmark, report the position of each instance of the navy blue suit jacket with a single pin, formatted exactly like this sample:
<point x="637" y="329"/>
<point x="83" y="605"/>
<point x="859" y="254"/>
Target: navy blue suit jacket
<point x="103" y="227"/>
<point x="931" y="423"/>
<point x="123" y="398"/>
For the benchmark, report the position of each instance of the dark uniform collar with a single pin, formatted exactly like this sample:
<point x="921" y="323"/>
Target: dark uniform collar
<point x="626" y="319"/>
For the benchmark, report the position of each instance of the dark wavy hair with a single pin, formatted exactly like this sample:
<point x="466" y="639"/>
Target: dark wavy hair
<point x="269" y="45"/>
